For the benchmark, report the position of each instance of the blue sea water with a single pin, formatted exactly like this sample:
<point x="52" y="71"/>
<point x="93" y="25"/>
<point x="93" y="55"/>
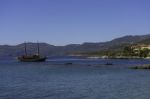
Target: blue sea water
<point x="84" y="79"/>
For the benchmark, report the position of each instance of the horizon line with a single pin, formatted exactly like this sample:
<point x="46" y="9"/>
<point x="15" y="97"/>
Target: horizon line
<point x="15" y="44"/>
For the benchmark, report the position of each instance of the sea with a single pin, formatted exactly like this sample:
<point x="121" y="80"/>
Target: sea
<point x="74" y="78"/>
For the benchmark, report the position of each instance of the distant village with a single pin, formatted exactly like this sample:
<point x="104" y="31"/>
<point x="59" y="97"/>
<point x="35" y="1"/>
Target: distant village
<point x="137" y="51"/>
<point x="128" y="52"/>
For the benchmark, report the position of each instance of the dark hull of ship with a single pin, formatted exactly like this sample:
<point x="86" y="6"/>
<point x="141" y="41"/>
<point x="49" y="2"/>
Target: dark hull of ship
<point x="40" y="59"/>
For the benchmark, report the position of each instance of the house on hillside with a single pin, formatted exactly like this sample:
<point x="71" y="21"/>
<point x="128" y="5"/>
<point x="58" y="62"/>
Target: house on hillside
<point x="141" y="49"/>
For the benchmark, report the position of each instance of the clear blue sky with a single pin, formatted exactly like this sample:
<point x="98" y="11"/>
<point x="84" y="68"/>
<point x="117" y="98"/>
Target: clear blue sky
<point x="62" y="22"/>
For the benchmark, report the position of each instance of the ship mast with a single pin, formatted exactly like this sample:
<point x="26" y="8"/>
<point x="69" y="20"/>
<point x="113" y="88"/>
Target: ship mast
<point x="25" y="49"/>
<point x="38" y="49"/>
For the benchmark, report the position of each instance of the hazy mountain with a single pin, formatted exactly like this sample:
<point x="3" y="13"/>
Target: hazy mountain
<point x="48" y="50"/>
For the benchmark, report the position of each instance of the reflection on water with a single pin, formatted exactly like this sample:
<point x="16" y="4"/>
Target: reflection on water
<point x="83" y="79"/>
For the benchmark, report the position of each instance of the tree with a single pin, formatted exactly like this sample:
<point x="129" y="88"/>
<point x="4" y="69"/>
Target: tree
<point x="144" y="52"/>
<point x="128" y="51"/>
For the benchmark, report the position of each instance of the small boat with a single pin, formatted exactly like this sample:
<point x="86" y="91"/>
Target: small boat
<point x="68" y="63"/>
<point x="109" y="63"/>
<point x="32" y="58"/>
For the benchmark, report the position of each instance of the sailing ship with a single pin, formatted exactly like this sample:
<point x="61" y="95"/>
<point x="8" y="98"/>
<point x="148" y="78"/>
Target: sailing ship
<point x="32" y="58"/>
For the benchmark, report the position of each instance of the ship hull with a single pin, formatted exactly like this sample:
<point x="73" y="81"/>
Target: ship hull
<point x="40" y="59"/>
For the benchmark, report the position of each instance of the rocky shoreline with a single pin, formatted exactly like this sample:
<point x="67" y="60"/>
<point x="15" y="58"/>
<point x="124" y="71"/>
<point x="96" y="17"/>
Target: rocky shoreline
<point x="145" y="66"/>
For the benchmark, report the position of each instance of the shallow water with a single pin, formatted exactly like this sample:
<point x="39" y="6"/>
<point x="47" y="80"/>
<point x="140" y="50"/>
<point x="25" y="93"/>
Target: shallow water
<point x="84" y="79"/>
